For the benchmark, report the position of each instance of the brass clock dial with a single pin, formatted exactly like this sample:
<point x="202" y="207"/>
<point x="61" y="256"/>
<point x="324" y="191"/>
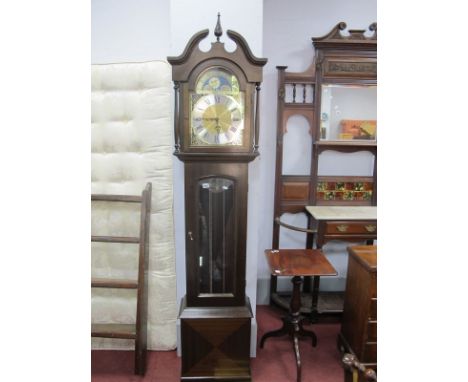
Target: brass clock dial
<point x="217" y="109"/>
<point x="217" y="120"/>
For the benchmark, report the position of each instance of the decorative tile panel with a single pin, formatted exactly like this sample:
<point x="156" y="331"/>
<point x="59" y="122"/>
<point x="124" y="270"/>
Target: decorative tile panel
<point x="344" y="191"/>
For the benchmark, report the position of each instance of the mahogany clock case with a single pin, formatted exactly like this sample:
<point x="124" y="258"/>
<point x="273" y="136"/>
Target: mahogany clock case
<point x="216" y="174"/>
<point x="215" y="314"/>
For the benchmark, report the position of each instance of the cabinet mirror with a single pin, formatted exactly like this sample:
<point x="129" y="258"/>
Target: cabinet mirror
<point x="348" y="112"/>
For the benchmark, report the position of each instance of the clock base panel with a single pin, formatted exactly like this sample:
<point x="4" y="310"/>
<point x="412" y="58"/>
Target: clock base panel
<point x="216" y="343"/>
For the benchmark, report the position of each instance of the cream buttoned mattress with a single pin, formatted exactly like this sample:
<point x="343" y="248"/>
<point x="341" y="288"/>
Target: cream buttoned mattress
<point x="131" y="134"/>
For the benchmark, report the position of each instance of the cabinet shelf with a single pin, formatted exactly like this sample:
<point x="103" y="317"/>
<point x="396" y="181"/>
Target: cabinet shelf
<point x="299" y="105"/>
<point x="346" y="145"/>
<point x="114" y="283"/>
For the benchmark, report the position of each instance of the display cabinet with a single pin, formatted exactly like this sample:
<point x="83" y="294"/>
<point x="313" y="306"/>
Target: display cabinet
<point x="346" y="117"/>
<point x="337" y="96"/>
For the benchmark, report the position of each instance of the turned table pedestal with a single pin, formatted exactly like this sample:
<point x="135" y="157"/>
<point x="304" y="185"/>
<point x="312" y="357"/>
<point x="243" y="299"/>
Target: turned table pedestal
<point x="296" y="263"/>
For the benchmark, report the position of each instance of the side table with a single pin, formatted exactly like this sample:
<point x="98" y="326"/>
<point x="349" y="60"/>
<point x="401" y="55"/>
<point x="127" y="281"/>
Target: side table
<point x="346" y="223"/>
<point x="296" y="263"/>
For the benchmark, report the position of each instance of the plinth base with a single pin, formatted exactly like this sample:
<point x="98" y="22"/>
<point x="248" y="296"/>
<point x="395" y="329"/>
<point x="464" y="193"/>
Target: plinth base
<point x="215" y="343"/>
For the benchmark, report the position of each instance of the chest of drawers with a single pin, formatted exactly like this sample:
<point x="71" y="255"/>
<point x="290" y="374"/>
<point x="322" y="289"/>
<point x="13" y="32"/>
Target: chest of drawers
<point x="358" y="333"/>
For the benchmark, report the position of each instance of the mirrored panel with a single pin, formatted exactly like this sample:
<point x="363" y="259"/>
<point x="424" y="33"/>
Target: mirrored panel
<point x="348" y="112"/>
<point x="334" y="163"/>
<point x="216" y="233"/>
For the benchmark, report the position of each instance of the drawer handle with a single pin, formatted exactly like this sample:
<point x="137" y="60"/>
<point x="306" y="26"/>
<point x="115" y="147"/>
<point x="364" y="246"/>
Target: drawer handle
<point x="371" y="228"/>
<point x="342" y="227"/>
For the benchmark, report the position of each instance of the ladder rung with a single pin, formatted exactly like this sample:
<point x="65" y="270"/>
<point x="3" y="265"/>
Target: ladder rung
<point x="116" y="198"/>
<point x="115" y="239"/>
<point x="127" y="331"/>
<point x="114" y="283"/>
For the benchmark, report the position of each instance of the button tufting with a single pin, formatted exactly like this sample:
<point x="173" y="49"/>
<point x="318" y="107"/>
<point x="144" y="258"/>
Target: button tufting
<point x="119" y="166"/>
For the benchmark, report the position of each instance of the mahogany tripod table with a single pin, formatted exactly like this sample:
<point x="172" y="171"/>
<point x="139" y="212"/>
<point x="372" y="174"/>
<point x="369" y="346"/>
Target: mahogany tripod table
<point x="296" y="263"/>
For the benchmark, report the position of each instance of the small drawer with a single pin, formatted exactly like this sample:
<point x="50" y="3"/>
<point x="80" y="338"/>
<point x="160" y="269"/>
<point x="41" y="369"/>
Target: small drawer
<point x="372" y="331"/>
<point x="370" y="352"/>
<point x="350" y="227"/>
<point x="373" y="309"/>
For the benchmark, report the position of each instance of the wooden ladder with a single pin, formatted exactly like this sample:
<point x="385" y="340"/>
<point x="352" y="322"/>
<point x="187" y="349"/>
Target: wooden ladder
<point x="137" y="331"/>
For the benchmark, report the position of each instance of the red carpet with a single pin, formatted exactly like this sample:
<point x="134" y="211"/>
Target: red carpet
<point x="274" y="363"/>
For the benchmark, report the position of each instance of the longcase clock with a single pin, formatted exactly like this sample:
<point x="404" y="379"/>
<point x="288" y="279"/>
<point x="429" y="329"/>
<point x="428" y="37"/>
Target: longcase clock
<point x="216" y="131"/>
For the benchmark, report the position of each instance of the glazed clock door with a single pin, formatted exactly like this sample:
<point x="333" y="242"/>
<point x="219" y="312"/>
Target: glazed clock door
<point x="215" y="233"/>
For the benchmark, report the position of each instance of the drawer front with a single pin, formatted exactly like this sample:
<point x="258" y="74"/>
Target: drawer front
<point x="351" y="228"/>
<point x="373" y="309"/>
<point x="372" y="331"/>
<point x="370" y="352"/>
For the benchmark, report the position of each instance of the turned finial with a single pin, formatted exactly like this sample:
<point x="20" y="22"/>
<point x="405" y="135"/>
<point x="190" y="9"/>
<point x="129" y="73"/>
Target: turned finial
<point x="218" y="30"/>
